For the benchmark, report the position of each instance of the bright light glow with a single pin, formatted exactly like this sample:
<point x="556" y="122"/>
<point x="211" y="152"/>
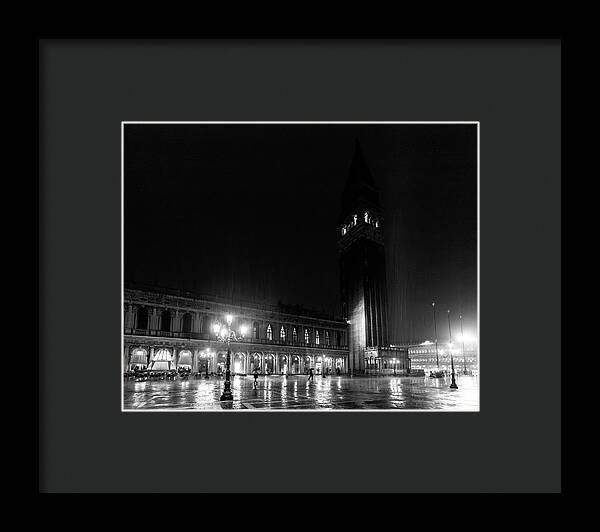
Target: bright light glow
<point x="229" y="319"/>
<point x="426" y="342"/>
<point x="243" y="330"/>
<point x="216" y="328"/>
<point x="467" y="338"/>
<point x="223" y="332"/>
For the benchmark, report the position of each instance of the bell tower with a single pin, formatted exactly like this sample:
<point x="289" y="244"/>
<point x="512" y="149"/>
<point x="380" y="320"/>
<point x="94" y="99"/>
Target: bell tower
<point x="362" y="263"/>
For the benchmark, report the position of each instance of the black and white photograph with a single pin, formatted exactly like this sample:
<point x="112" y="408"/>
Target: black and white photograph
<point x="300" y="266"/>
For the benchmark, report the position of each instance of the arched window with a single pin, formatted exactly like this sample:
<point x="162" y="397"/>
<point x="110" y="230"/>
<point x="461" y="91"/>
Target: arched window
<point x="306" y="336"/>
<point x="282" y="333"/>
<point x="165" y="321"/>
<point x="366" y="217"/>
<point x="343" y="230"/>
<point x="186" y="323"/>
<point x="326" y="337"/>
<point x="142" y="318"/>
<point x="317" y="338"/>
<point x="269" y="332"/>
<point x="255" y="330"/>
<point x="354" y="219"/>
<point x="294" y="335"/>
<point x="338" y="337"/>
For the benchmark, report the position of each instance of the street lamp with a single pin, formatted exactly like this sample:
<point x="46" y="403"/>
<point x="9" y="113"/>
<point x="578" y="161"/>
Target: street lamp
<point x="226" y="334"/>
<point x="453" y="384"/>
<point x="450" y="334"/>
<point x="462" y="337"/>
<point x="437" y="360"/>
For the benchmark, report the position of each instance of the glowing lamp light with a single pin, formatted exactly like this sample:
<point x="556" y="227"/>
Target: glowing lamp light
<point x="243" y="330"/>
<point x="229" y="319"/>
<point x="223" y="332"/>
<point x="216" y="328"/>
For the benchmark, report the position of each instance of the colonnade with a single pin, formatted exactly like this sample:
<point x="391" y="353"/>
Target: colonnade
<point x="167" y="357"/>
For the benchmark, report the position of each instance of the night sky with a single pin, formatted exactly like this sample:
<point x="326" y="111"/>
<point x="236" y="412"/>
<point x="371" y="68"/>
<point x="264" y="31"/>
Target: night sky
<point x="249" y="212"/>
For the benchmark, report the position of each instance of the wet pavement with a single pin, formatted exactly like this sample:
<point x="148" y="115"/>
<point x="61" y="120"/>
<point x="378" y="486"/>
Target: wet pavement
<point x="297" y="393"/>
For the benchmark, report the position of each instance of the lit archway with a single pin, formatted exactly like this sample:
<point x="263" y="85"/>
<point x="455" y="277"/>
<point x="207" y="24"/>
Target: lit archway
<point x="162" y="360"/>
<point x="221" y="362"/>
<point x="185" y="359"/>
<point x="307" y="364"/>
<point x="295" y="364"/>
<point x="269" y="365"/>
<point x="284" y="366"/>
<point x="255" y="362"/>
<point x="238" y="364"/>
<point x="138" y="359"/>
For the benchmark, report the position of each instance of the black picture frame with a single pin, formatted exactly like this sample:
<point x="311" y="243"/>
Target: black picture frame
<point x="512" y="87"/>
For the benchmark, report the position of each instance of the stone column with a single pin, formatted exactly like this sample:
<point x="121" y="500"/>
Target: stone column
<point x="151" y="355"/>
<point x="194" y="357"/>
<point x="175" y="357"/>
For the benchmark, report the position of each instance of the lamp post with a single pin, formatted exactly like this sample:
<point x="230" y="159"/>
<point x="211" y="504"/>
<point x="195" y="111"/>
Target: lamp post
<point x="462" y="336"/>
<point x="453" y="384"/>
<point x="437" y="360"/>
<point x="226" y="334"/>
<point x="450" y="345"/>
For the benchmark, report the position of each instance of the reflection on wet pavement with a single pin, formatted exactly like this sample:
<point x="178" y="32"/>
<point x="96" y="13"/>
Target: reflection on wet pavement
<point x="296" y="393"/>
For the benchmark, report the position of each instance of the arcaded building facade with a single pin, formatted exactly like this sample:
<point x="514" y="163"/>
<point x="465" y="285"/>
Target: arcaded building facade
<point x="167" y="330"/>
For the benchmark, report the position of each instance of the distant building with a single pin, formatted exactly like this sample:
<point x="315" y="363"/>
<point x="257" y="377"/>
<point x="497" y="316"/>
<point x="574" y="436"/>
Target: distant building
<point x="423" y="356"/>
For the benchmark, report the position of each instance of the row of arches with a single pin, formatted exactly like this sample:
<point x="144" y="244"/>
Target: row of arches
<point x="168" y="359"/>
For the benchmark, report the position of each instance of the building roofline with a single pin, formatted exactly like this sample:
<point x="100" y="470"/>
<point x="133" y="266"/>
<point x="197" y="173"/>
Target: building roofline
<point x="303" y="312"/>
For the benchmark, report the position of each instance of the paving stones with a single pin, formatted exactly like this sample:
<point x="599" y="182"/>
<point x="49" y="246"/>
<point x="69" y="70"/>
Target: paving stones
<point x="295" y="393"/>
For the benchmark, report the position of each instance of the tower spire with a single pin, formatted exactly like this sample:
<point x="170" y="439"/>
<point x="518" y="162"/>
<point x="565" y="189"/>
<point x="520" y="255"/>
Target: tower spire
<point x="360" y="185"/>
